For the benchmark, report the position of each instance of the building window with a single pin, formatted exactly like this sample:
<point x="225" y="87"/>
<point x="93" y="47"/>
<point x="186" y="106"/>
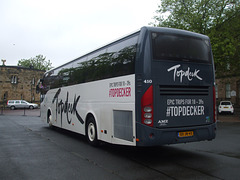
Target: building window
<point x="228" y="66"/>
<point x="33" y="81"/>
<point x="228" y="91"/>
<point x="5" y="96"/>
<point x="14" y="80"/>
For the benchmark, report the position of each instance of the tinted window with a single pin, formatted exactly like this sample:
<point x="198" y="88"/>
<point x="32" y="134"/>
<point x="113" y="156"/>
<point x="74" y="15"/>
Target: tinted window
<point x="112" y="61"/>
<point x="51" y="80"/>
<point x="225" y="103"/>
<point x="178" y="47"/>
<point x="117" y="59"/>
<point x="91" y="68"/>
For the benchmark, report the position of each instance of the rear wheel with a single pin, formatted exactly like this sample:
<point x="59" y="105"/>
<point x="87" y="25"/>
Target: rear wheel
<point x="91" y="132"/>
<point x="12" y="107"/>
<point x="49" y="119"/>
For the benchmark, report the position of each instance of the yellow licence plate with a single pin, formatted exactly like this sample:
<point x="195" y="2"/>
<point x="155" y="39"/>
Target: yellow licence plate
<point x="185" y="134"/>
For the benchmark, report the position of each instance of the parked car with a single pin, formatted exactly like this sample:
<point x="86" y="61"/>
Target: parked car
<point x="13" y="104"/>
<point x="225" y="106"/>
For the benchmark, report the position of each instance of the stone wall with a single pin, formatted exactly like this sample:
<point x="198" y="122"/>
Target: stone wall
<point x="19" y="83"/>
<point x="234" y="83"/>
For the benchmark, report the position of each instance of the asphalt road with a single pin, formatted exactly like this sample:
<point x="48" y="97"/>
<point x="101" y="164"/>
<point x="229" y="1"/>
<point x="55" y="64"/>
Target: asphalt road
<point x="31" y="150"/>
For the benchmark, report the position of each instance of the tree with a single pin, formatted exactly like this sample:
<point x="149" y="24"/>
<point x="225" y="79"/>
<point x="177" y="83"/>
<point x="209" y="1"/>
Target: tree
<point x="194" y="15"/>
<point x="219" y="19"/>
<point x="225" y="40"/>
<point x="38" y="62"/>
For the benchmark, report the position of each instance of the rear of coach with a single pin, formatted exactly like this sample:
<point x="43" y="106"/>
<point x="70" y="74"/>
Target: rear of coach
<point x="175" y="93"/>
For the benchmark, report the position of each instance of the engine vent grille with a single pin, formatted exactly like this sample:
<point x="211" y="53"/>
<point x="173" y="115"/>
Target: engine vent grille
<point x="184" y="90"/>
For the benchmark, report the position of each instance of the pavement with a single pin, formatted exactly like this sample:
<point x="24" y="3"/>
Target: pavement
<point x="36" y="112"/>
<point x="228" y="118"/>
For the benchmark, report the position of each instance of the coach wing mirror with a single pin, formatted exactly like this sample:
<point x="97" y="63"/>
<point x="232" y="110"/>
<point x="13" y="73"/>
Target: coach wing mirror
<point x="37" y="89"/>
<point x="39" y="85"/>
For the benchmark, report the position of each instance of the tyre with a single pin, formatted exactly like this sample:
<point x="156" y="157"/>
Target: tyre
<point x="49" y="119"/>
<point x="12" y="107"/>
<point x="91" y="132"/>
<point x="31" y="107"/>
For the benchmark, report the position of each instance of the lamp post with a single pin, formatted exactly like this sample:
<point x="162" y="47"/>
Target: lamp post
<point x="31" y="90"/>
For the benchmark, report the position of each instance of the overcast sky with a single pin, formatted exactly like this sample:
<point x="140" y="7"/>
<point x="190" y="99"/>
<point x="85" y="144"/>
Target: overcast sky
<point x="63" y="30"/>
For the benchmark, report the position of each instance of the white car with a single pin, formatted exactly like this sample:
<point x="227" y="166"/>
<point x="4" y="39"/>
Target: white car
<point x="225" y="106"/>
<point x="13" y="104"/>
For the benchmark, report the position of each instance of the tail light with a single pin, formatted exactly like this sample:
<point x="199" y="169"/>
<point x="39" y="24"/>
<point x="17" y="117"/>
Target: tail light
<point x="214" y="105"/>
<point x="147" y="107"/>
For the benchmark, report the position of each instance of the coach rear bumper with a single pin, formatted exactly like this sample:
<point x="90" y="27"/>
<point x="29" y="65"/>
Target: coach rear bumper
<point x="148" y="136"/>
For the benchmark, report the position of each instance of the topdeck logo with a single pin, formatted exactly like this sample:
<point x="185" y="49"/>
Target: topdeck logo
<point x="179" y="73"/>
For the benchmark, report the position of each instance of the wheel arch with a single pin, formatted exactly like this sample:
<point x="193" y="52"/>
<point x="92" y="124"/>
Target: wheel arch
<point x="49" y="112"/>
<point x="91" y="114"/>
<point x="90" y="122"/>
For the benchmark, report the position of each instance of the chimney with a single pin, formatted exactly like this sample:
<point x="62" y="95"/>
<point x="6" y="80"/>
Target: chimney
<point x="3" y="61"/>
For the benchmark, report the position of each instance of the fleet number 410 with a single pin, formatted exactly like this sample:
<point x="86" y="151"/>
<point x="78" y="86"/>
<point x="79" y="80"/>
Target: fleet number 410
<point x="147" y="81"/>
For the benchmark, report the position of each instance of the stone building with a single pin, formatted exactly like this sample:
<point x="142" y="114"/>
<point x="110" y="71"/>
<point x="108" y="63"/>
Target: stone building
<point x="228" y="88"/>
<point x="19" y="83"/>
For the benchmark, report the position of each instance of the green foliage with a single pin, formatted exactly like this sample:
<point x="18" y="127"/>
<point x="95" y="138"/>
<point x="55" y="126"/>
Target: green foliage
<point x="219" y="19"/>
<point x="193" y="15"/>
<point x="225" y="40"/>
<point x="38" y="62"/>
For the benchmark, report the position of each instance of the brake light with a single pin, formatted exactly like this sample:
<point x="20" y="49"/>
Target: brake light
<point x="214" y="105"/>
<point x="147" y="107"/>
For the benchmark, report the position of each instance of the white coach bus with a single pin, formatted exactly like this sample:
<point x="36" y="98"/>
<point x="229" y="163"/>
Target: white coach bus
<point x="152" y="87"/>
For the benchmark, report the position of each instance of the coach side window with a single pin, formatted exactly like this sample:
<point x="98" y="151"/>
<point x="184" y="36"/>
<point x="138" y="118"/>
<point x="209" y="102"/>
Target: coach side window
<point x="122" y="57"/>
<point x="117" y="59"/>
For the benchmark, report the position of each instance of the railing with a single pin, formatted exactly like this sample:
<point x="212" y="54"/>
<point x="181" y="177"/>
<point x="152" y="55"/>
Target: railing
<point x="19" y="112"/>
